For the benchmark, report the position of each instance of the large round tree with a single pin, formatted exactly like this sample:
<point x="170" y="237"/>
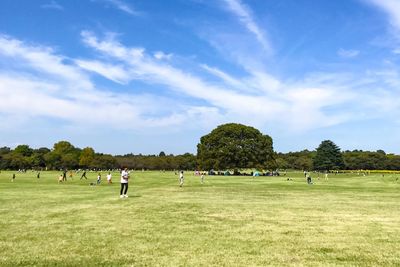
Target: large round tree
<point x="235" y="146"/>
<point x="328" y="157"/>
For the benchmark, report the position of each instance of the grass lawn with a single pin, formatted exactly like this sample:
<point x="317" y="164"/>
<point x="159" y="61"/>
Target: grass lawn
<point x="227" y="221"/>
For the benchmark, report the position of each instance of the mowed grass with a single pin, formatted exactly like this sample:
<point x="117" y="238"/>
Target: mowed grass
<point x="227" y="221"/>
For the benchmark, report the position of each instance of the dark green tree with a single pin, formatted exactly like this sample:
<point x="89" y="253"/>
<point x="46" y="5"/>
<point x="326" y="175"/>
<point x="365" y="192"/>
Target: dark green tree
<point x="328" y="157"/>
<point x="86" y="158"/>
<point x="63" y="156"/>
<point x="23" y="150"/>
<point x="235" y="146"/>
<point x="38" y="157"/>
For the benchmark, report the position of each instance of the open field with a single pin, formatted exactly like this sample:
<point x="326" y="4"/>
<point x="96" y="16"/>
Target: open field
<point x="228" y="221"/>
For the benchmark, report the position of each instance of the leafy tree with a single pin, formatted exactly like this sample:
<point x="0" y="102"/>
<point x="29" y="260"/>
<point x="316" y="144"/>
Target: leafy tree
<point x="38" y="157"/>
<point x="86" y="158"/>
<point x="4" y="150"/>
<point x="4" y="158"/>
<point x="63" y="147"/>
<point x="63" y="155"/>
<point x="281" y="163"/>
<point x="53" y="160"/>
<point x="162" y="154"/>
<point x="23" y="150"/>
<point x="393" y="162"/>
<point x="328" y="157"/>
<point x="234" y="146"/>
<point x="103" y="161"/>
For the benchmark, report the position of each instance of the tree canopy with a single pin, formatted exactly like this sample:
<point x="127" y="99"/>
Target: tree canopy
<point x="235" y="146"/>
<point x="328" y="157"/>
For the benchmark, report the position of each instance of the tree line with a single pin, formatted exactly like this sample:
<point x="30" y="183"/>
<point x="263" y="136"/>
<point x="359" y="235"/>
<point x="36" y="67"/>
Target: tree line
<point x="230" y="146"/>
<point x="63" y="155"/>
<point x="352" y="160"/>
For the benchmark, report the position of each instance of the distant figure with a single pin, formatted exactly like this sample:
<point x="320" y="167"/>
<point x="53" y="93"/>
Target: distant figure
<point x="13" y="177"/>
<point x="124" y="183"/>
<point x="202" y="178"/>
<point x="64" y="176"/>
<point x="99" y="178"/>
<point x="60" y="178"/>
<point x="305" y="174"/>
<point x="326" y="176"/>
<point x="181" y="179"/>
<point x="309" y="180"/>
<point x="109" y="178"/>
<point x="83" y="175"/>
<point x="38" y="175"/>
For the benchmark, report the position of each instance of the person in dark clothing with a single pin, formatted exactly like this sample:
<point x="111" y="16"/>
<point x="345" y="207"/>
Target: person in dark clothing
<point x="309" y="181"/>
<point x="83" y="175"/>
<point x="64" y="176"/>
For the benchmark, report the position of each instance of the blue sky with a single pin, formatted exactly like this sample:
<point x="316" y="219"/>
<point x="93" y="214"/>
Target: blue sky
<point x="148" y="76"/>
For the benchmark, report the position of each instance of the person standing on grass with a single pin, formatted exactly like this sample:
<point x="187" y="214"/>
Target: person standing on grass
<point x="124" y="183"/>
<point x="309" y="180"/>
<point x="109" y="178"/>
<point x="83" y="175"/>
<point x="38" y="175"/>
<point x="64" y="176"/>
<point x="181" y="179"/>
<point x="202" y="178"/>
<point x="13" y="177"/>
<point x="99" y="178"/>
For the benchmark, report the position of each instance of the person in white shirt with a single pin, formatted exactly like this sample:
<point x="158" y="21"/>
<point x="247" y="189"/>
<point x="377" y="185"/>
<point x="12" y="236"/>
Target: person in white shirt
<point x="124" y="183"/>
<point x="109" y="178"/>
<point x="181" y="178"/>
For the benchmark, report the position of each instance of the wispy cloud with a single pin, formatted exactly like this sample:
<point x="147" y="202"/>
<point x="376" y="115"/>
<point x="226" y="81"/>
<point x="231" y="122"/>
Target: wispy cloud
<point x="268" y="100"/>
<point x="392" y="8"/>
<point x="344" y="53"/>
<point x="162" y="56"/>
<point x="119" y="4"/>
<point x="396" y="51"/>
<point x="246" y="17"/>
<point x="45" y="86"/>
<point x="52" y="5"/>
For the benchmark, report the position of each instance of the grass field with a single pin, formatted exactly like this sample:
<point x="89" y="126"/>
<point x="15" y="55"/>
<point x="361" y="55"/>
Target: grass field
<point x="228" y="221"/>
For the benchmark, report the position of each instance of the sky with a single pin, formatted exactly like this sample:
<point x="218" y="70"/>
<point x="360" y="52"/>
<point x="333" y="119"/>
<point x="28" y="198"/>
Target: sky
<point x="145" y="76"/>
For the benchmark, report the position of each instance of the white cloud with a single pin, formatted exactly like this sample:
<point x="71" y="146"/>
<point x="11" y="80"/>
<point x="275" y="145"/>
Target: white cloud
<point x="396" y="51"/>
<point x="119" y="4"/>
<point x="42" y="59"/>
<point x="392" y="8"/>
<point x="162" y="56"/>
<point x="39" y="84"/>
<point x="45" y="84"/>
<point x="52" y="5"/>
<point x="245" y="16"/>
<point x="348" y="53"/>
<point x="112" y="72"/>
<point x="268" y="100"/>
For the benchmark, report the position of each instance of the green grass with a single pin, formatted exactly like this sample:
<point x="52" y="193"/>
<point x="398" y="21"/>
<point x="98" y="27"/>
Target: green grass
<point x="228" y="221"/>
